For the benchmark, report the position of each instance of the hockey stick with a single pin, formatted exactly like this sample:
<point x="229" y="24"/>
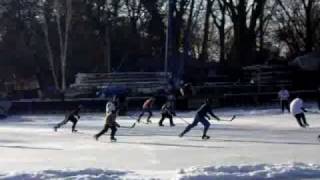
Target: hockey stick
<point x="129" y="127"/>
<point x="132" y="126"/>
<point x="313" y="112"/>
<point x="136" y="121"/>
<point x="183" y="120"/>
<point x="140" y="121"/>
<point x="229" y="120"/>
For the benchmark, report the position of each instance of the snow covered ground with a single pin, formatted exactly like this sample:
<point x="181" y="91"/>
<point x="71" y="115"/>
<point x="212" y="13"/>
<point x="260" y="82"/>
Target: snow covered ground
<point x="259" y="144"/>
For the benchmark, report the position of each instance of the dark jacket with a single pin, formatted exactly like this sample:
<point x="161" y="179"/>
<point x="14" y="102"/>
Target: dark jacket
<point x="204" y="110"/>
<point x="166" y="109"/>
<point x="74" y="114"/>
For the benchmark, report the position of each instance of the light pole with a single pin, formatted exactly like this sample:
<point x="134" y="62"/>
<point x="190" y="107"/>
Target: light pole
<point x="168" y="50"/>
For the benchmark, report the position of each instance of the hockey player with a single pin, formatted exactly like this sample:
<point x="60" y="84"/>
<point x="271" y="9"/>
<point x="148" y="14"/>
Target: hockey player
<point x="297" y="110"/>
<point x="171" y="99"/>
<point x="147" y="107"/>
<point x="110" y="121"/>
<point x="201" y="115"/>
<point x="186" y="91"/>
<point x="73" y="116"/>
<point x="166" y="112"/>
<point x="283" y="96"/>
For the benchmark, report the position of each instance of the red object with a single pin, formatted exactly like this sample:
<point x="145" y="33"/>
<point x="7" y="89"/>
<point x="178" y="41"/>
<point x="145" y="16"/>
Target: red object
<point x="147" y="104"/>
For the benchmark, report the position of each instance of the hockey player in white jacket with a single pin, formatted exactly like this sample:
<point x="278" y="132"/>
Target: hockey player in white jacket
<point x="297" y="110"/>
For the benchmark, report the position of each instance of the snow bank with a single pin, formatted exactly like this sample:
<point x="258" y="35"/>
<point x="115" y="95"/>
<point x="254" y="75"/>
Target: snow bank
<point x="246" y="172"/>
<point x="68" y="174"/>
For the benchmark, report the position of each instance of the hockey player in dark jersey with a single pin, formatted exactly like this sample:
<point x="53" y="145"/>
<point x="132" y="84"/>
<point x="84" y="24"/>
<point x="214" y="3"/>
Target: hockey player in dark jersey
<point x="167" y="112"/>
<point x="201" y="115"/>
<point x="73" y="116"/>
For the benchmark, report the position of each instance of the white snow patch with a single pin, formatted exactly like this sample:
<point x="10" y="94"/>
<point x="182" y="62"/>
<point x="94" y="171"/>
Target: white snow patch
<point x="67" y="174"/>
<point x="252" y="172"/>
<point x="242" y="172"/>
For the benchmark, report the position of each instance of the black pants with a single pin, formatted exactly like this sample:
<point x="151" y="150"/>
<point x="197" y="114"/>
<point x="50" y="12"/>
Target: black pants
<point x="195" y="122"/>
<point x="142" y="113"/>
<point x="74" y="121"/>
<point x="301" y="119"/>
<point x="173" y="105"/>
<point x="105" y="129"/>
<point x="166" y="115"/>
<point x="284" y="105"/>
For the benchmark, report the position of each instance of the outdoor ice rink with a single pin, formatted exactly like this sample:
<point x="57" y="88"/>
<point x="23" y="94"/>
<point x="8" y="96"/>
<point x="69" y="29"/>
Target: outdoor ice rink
<point x="259" y="143"/>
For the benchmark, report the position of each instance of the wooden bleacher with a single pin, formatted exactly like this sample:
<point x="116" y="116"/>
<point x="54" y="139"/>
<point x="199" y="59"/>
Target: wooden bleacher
<point x="135" y="82"/>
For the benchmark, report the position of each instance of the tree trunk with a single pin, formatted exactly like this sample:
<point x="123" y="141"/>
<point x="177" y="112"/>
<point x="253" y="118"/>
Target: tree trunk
<point x="187" y="32"/>
<point x="156" y="27"/>
<point x="50" y="54"/>
<point x="221" y="28"/>
<point x="107" y="49"/>
<point x="222" y="44"/>
<point x="204" y="52"/>
<point x="243" y="50"/>
<point x="66" y="39"/>
<point x="187" y="39"/>
<point x="63" y="38"/>
<point x="261" y="30"/>
<point x="309" y="43"/>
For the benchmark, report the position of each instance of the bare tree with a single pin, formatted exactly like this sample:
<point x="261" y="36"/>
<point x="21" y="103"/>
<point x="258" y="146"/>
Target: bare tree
<point x="102" y="14"/>
<point x="63" y="35"/>
<point x="299" y="20"/>
<point x="43" y="17"/>
<point x="50" y="54"/>
<point x="204" y="51"/>
<point x="244" y="16"/>
<point x="219" y="19"/>
<point x="62" y="12"/>
<point x="134" y="10"/>
<point x="188" y="30"/>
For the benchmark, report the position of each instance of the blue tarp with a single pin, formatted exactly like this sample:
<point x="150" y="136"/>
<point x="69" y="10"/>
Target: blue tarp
<point x="112" y="91"/>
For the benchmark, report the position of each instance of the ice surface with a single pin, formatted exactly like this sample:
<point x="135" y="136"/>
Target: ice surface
<point x="260" y="143"/>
